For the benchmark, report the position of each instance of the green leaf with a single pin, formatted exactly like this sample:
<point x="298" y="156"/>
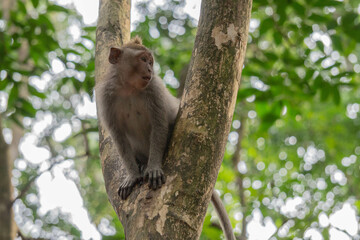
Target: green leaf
<point x="265" y="25"/>
<point x="3" y="84"/>
<point x="14" y="93"/>
<point x="244" y="93"/>
<point x="35" y="92"/>
<point x="278" y="38"/>
<point x="21" y="7"/>
<point x="76" y="83"/>
<point x="299" y="9"/>
<point x="319" y="18"/>
<point x="320" y="45"/>
<point x="35" y="3"/>
<point x="337" y="42"/>
<point x="15" y="119"/>
<point x="27" y="108"/>
<point x="45" y="20"/>
<point x="281" y="10"/>
<point x="89" y="29"/>
<point x="325" y="92"/>
<point x="322" y="3"/>
<point x="357" y="204"/>
<point x="351" y="26"/>
<point x="57" y="8"/>
<point x="336" y="95"/>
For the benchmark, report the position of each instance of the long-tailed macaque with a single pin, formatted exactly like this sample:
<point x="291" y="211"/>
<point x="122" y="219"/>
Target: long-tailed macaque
<point x="139" y="113"/>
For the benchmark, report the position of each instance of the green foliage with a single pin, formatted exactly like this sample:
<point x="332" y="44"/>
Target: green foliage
<point x="31" y="39"/>
<point x="298" y="105"/>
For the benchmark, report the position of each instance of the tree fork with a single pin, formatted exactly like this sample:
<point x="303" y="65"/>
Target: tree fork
<point x="177" y="210"/>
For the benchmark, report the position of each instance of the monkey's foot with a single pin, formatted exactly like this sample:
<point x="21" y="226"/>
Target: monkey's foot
<point x="155" y="177"/>
<point x="127" y="186"/>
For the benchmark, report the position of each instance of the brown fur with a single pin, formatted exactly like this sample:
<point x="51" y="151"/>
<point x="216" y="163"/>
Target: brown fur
<point x="139" y="113"/>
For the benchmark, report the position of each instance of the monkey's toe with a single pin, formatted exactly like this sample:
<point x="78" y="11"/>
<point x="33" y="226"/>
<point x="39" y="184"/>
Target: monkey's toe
<point x="127" y="186"/>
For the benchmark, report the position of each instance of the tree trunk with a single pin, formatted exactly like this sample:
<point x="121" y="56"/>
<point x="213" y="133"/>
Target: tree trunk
<point x="7" y="224"/>
<point x="177" y="210"/>
<point x="7" y="156"/>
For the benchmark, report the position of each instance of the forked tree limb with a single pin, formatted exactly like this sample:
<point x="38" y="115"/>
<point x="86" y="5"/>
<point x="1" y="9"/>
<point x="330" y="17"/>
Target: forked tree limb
<point x="177" y="210"/>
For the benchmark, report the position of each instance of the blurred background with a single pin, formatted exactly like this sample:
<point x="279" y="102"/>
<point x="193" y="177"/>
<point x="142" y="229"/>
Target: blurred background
<point x="292" y="164"/>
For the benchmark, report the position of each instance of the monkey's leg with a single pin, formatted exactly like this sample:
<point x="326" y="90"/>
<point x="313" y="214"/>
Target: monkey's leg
<point x="133" y="176"/>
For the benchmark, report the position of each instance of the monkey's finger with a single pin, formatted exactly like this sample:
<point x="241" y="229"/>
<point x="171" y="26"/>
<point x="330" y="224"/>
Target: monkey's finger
<point x="150" y="180"/>
<point x="163" y="179"/>
<point x="153" y="181"/>
<point x="126" y="192"/>
<point x="121" y="188"/>
<point x="156" y="177"/>
<point x="158" y="181"/>
<point x="149" y="177"/>
<point x="153" y="185"/>
<point x="121" y="193"/>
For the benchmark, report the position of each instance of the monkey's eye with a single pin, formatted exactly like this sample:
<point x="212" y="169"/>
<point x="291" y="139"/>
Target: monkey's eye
<point x="151" y="63"/>
<point x="143" y="59"/>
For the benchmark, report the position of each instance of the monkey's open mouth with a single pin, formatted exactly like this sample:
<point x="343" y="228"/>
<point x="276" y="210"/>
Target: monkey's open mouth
<point x="146" y="78"/>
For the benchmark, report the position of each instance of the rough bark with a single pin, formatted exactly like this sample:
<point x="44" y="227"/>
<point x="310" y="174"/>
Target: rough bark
<point x="177" y="210"/>
<point x="7" y="224"/>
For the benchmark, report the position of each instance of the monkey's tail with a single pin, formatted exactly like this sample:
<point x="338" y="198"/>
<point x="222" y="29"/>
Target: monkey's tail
<point x="223" y="216"/>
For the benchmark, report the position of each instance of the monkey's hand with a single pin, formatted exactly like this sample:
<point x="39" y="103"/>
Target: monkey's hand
<point x="155" y="177"/>
<point x="127" y="186"/>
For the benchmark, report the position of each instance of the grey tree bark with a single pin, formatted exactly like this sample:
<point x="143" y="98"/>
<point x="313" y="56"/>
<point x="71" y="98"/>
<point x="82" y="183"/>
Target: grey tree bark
<point x="177" y="210"/>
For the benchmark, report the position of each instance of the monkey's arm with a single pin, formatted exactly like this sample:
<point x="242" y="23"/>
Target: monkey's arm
<point x="158" y="137"/>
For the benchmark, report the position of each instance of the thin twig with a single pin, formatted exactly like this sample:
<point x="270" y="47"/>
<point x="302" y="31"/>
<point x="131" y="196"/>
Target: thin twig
<point x="32" y="180"/>
<point x="86" y="140"/>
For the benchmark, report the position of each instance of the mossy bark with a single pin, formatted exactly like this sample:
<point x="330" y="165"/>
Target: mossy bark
<point x="177" y="210"/>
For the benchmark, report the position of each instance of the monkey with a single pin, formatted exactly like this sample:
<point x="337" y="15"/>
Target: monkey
<point x="139" y="113"/>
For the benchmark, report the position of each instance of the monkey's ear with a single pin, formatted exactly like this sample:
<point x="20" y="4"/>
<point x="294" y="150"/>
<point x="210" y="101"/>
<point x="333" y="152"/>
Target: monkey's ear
<point x="114" y="55"/>
<point x="137" y="40"/>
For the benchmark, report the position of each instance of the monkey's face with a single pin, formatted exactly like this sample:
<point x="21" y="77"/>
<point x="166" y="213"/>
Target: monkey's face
<point x="142" y="69"/>
<point x="134" y="65"/>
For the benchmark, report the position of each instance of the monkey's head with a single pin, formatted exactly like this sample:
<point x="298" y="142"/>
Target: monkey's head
<point x="134" y="62"/>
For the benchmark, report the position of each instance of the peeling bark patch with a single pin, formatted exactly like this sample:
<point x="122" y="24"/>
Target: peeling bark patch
<point x="160" y="223"/>
<point x="158" y="211"/>
<point x="221" y="38"/>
